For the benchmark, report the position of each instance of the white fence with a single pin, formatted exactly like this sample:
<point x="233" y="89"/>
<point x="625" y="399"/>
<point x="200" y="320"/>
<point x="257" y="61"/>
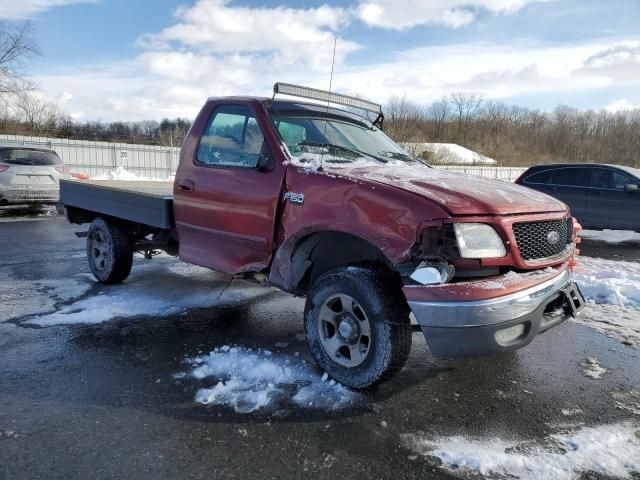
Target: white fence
<point x="506" y="174"/>
<point x="101" y="158"/>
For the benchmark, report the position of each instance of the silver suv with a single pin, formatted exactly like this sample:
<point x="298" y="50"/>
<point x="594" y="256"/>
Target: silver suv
<point x="30" y="175"/>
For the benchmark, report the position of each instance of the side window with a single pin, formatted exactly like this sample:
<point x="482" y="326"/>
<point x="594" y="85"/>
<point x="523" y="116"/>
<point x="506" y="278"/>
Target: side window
<point x="609" y="179"/>
<point x="232" y="138"/>
<point x="572" y="177"/>
<point x="620" y="180"/>
<point x="292" y="134"/>
<point x="539" y="177"/>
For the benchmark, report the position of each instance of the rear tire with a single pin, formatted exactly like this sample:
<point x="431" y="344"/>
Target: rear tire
<point x="109" y="251"/>
<point x="375" y="341"/>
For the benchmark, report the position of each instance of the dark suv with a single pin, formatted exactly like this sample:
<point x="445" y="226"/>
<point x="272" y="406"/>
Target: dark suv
<point x="600" y="196"/>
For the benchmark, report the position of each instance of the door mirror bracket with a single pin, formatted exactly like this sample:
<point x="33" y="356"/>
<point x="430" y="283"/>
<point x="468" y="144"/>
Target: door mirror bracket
<point x="265" y="163"/>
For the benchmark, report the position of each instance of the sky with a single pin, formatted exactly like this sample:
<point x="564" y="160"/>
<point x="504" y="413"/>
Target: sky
<point x="132" y="60"/>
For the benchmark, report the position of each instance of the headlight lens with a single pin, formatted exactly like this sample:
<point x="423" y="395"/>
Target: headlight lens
<point x="478" y="240"/>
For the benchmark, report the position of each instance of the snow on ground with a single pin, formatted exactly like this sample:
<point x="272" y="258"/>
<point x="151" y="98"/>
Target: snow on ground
<point x="120" y="173"/>
<point x="612" y="289"/>
<point x="611" y="450"/>
<point x="162" y="286"/>
<point x="628" y="401"/>
<point x="611" y="236"/>
<point x="248" y="380"/>
<point x="593" y="369"/>
<point x="609" y="281"/>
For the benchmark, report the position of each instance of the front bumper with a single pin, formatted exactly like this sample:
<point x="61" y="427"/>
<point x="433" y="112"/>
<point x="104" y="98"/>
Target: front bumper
<point x="471" y="328"/>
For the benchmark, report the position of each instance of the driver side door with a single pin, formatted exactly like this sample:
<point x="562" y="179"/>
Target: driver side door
<point x="225" y="200"/>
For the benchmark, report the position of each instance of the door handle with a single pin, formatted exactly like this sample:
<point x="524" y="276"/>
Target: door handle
<point x="186" y="185"/>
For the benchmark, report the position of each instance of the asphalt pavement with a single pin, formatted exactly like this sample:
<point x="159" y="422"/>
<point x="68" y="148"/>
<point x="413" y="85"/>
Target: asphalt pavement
<point x="102" y="400"/>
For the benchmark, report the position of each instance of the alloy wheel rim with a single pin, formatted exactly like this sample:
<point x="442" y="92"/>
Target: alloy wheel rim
<point x="100" y="251"/>
<point x="344" y="330"/>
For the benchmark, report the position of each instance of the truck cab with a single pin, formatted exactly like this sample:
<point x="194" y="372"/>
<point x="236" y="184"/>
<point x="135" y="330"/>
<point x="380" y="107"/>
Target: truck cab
<point x="319" y="202"/>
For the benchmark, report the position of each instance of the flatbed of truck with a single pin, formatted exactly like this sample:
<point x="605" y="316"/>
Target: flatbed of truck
<point x="147" y="203"/>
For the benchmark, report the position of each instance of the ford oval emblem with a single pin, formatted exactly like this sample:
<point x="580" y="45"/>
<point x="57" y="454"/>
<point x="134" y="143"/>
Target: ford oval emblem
<point x="553" y="237"/>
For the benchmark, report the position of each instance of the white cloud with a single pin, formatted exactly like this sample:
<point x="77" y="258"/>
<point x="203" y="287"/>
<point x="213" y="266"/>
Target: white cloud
<point x="287" y="36"/>
<point x="216" y="48"/>
<point x="18" y="9"/>
<point x="403" y="14"/>
<point x="176" y="82"/>
<point x="621" y="62"/>
<point x="622" y="105"/>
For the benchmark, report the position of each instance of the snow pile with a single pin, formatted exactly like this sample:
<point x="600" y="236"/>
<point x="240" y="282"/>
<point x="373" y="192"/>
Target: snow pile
<point x="609" y="281"/>
<point x="449" y="154"/>
<point x="611" y="236"/>
<point x="248" y="380"/>
<point x="120" y="173"/>
<point x="161" y="287"/>
<point x="610" y="450"/>
<point x="612" y="289"/>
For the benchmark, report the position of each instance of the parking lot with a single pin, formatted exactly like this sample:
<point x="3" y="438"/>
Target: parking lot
<point x="126" y="381"/>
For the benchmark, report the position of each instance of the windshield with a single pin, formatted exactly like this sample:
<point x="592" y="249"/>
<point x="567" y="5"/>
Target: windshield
<point x="337" y="140"/>
<point x="29" y="156"/>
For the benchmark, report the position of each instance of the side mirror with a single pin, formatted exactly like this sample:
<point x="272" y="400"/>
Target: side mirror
<point x="265" y="163"/>
<point x="631" y="188"/>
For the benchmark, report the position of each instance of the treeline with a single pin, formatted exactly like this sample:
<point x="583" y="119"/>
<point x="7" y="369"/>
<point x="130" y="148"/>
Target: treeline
<point x="510" y="134"/>
<point x="28" y="114"/>
<point x="514" y="135"/>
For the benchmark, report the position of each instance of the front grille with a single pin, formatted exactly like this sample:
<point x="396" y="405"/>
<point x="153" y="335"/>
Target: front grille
<point x="536" y="240"/>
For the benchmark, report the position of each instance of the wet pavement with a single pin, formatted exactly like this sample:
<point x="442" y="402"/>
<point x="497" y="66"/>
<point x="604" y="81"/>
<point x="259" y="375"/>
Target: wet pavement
<point x="101" y="401"/>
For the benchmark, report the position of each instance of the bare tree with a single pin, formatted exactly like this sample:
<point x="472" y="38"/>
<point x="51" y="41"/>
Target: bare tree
<point x="40" y="115"/>
<point x="439" y="112"/>
<point x="466" y="106"/>
<point x="17" y="45"/>
<point x="403" y="119"/>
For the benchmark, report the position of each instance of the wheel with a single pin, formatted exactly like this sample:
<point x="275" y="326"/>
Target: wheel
<point x="109" y="251"/>
<point x="60" y="208"/>
<point x="357" y="325"/>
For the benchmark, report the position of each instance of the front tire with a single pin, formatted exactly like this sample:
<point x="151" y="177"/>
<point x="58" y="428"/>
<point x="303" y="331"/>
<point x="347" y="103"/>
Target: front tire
<point x="357" y="325"/>
<point x="109" y="251"/>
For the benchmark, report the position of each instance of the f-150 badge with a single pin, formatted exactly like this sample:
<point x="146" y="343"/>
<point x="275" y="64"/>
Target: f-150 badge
<point x="297" y="198"/>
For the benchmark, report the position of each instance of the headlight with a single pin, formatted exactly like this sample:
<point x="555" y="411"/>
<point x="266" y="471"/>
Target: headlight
<point x="478" y="240"/>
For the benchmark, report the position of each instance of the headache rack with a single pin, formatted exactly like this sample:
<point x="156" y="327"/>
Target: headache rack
<point x="330" y="97"/>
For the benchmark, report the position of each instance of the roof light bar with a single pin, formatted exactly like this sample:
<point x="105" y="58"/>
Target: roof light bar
<point x="324" y="96"/>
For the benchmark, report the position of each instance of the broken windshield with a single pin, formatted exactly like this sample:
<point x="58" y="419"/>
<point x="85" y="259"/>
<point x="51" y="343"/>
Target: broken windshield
<point x="339" y="141"/>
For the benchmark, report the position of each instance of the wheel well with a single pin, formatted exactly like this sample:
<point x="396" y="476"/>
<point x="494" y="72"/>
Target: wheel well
<point x="321" y="252"/>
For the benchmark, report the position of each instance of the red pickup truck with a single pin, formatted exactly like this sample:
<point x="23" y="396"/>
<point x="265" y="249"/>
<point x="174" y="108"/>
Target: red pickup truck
<point x="318" y="201"/>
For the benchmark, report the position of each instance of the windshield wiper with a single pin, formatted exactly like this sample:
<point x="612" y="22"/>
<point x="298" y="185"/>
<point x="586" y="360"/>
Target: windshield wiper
<point x="308" y="143"/>
<point x="397" y="156"/>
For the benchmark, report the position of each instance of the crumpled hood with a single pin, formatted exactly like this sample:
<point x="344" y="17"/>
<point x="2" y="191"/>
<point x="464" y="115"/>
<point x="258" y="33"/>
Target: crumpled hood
<point x="457" y="193"/>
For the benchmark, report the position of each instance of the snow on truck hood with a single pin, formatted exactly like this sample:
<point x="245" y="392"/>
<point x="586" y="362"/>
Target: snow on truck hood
<point x="457" y="193"/>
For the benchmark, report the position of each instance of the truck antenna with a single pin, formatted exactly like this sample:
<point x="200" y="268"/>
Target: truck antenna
<point x="326" y="121"/>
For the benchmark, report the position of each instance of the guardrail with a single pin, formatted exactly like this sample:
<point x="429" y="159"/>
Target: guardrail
<point x="151" y="161"/>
